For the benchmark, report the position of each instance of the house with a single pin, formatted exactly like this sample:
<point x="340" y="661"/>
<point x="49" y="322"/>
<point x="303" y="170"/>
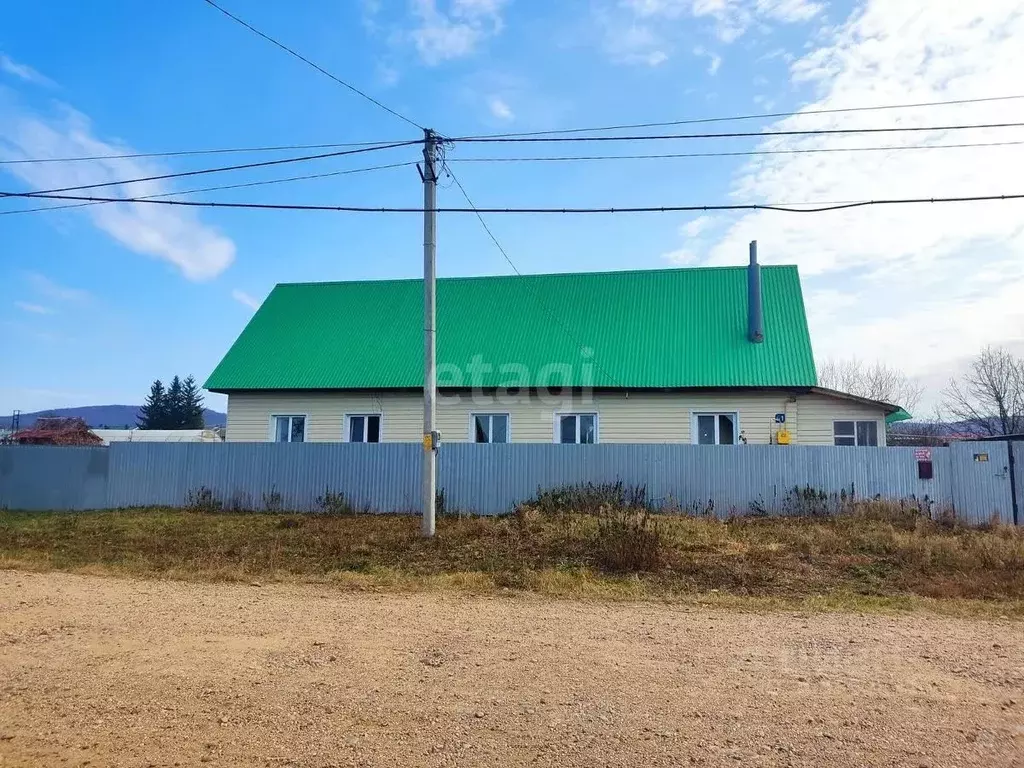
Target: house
<point x="715" y="355"/>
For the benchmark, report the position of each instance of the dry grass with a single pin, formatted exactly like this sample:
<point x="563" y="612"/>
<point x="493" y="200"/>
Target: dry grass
<point x="876" y="555"/>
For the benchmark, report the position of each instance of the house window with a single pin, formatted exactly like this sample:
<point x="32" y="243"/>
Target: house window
<point x="578" y="428"/>
<point x="289" y="429"/>
<point x="855" y="432"/>
<point x="364" y="428"/>
<point x="715" y="428"/>
<point x="489" y="427"/>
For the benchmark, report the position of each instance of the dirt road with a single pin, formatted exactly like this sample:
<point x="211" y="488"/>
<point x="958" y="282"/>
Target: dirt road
<point x="108" y="672"/>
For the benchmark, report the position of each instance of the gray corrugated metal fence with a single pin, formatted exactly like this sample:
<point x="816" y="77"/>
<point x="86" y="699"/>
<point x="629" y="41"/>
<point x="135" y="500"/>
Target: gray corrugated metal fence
<point x="981" y="480"/>
<point x="382" y="477"/>
<point x="1017" y="447"/>
<point x="491" y="479"/>
<point x="42" y="477"/>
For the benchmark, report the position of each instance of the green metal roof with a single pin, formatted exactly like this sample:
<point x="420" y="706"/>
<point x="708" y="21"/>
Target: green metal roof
<point x="895" y="416"/>
<point x="651" y="328"/>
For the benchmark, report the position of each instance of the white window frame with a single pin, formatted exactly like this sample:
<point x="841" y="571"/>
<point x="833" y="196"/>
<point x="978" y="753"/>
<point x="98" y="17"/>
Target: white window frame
<point x="556" y="426"/>
<point x="879" y="433"/>
<point x="695" y="432"/>
<point x="272" y="427"/>
<point x="472" y="426"/>
<point x="347" y="426"/>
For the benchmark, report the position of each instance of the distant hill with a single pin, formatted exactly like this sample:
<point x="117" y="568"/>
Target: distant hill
<point x="110" y="416"/>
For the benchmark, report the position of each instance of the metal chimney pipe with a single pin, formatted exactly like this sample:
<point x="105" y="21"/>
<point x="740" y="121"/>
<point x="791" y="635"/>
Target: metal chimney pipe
<point x="755" y="320"/>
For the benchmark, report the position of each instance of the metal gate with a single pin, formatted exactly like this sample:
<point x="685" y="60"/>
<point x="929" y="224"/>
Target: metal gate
<point x="981" y="481"/>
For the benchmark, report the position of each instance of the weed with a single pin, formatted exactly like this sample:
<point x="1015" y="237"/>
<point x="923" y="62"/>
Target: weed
<point x="627" y="540"/>
<point x="701" y="509"/>
<point x="334" y="503"/>
<point x="870" y="549"/>
<point x="812" y="502"/>
<point x="68" y="521"/>
<point x="240" y="501"/>
<point x="589" y="498"/>
<point x="202" y="500"/>
<point x="272" y="501"/>
<point x="513" y="578"/>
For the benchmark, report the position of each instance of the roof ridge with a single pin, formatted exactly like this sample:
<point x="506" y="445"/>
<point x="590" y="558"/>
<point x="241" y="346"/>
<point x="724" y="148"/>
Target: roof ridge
<point x="457" y="278"/>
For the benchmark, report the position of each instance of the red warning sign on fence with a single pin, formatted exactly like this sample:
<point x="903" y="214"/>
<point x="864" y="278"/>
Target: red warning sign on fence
<point x="923" y="454"/>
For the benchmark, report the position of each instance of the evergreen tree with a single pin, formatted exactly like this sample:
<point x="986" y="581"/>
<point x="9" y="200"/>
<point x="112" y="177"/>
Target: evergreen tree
<point x="192" y="404"/>
<point x="153" y="414"/>
<point x="175" y="406"/>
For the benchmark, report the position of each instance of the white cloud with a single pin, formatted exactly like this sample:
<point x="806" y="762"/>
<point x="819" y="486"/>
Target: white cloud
<point x="714" y="60"/>
<point x="920" y="287"/>
<point x="175" y="235"/>
<point x="23" y="71"/>
<point x="387" y="75"/>
<point x="44" y="286"/>
<point x="698" y="226"/>
<point x="682" y="257"/>
<point x="456" y="33"/>
<point x="35" y="309"/>
<point x="244" y="298"/>
<point x="626" y="39"/>
<point x="500" y="109"/>
<point x="731" y="18"/>
<point x="789" y="10"/>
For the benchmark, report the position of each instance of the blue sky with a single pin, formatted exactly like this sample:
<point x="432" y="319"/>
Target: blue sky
<point x="100" y="300"/>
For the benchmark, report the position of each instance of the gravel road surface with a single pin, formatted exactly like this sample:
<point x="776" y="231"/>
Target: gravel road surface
<point x="115" y="672"/>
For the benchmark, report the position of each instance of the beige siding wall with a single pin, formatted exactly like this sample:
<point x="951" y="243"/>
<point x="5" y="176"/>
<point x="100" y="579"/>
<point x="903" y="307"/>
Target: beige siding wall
<point x="817" y="412"/>
<point x="640" y="417"/>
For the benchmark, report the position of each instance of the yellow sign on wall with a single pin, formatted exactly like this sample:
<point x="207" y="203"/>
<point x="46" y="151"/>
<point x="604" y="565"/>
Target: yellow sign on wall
<point x="782" y="436"/>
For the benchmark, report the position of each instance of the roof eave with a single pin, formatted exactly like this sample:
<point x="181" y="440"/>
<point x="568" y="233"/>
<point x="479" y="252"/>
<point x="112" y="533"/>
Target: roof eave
<point x="887" y="407"/>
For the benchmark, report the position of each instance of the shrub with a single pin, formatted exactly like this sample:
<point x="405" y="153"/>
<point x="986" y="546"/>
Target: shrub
<point x="628" y="539"/>
<point x="589" y="498"/>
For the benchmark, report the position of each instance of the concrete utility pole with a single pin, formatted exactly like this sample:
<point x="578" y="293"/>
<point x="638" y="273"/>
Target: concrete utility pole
<point x="430" y="435"/>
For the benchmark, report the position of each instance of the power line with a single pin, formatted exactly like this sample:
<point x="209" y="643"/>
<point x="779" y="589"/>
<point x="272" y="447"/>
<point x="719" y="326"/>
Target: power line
<point x="244" y="166"/>
<point x="317" y="67"/>
<point x="733" y="135"/>
<point x="788" y="208"/>
<point x="293" y="147"/>
<point x="761" y="116"/>
<point x="184" y="152"/>
<point x="543" y="304"/>
<point x="566" y="158"/>
<point x="217" y="189"/>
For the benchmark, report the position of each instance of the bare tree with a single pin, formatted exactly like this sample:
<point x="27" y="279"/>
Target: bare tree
<point x="875" y="381"/>
<point x="989" y="398"/>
